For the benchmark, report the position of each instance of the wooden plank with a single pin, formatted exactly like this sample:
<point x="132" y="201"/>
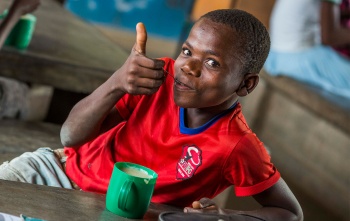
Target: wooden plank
<point x="261" y="9"/>
<point x="52" y="203"/>
<point x="307" y="133"/>
<point x="333" y="108"/>
<point x="18" y="136"/>
<point x="308" y="149"/>
<point x="61" y="75"/>
<point x="65" y="52"/>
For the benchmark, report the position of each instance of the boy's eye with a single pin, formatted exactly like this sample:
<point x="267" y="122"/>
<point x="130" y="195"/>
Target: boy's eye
<point x="185" y="51"/>
<point x="213" y="63"/>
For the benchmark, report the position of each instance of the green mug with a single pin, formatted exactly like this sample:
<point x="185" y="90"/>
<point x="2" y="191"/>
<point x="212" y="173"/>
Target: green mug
<point x="130" y="190"/>
<point x="23" y="31"/>
<point x="21" y="34"/>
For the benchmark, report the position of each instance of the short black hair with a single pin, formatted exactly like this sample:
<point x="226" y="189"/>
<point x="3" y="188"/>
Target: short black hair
<point x="253" y="42"/>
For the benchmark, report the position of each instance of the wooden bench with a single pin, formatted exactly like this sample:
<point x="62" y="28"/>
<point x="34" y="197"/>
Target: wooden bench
<point x="308" y="134"/>
<point x="17" y="137"/>
<point x="333" y="108"/>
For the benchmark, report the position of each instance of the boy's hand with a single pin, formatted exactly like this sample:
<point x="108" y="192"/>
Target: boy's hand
<point x="140" y="74"/>
<point x="204" y="205"/>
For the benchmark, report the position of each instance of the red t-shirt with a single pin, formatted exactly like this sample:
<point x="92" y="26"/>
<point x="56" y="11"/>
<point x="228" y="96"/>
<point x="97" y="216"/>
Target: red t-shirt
<point x="191" y="163"/>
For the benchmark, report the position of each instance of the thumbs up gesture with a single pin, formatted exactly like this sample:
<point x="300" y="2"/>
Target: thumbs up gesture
<point x="140" y="74"/>
<point x="141" y="38"/>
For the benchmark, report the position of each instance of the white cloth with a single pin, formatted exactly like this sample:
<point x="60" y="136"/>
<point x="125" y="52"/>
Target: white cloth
<point x="14" y="99"/>
<point x="39" y="167"/>
<point x="296" y="50"/>
<point x="294" y="24"/>
<point x="320" y="66"/>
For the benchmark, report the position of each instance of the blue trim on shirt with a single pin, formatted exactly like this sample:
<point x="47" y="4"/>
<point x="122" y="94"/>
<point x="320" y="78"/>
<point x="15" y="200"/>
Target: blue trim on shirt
<point x="192" y="131"/>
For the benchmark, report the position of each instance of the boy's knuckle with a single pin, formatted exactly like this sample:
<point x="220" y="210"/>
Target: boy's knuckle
<point x="158" y="63"/>
<point x="158" y="83"/>
<point x="133" y="70"/>
<point x="131" y="79"/>
<point x="131" y="88"/>
<point x="154" y="84"/>
<point x="160" y="74"/>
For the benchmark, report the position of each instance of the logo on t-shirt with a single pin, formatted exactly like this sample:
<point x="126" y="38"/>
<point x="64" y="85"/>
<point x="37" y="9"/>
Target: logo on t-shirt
<point x="189" y="162"/>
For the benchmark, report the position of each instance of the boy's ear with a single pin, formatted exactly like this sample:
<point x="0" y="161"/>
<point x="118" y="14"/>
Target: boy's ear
<point x="249" y="83"/>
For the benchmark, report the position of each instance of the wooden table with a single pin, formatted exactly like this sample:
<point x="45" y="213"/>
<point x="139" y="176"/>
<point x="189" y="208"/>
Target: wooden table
<point x="65" y="52"/>
<point x="52" y="203"/>
<point x="17" y="137"/>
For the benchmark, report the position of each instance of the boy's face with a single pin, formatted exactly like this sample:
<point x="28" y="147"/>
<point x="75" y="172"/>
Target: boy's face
<point x="207" y="67"/>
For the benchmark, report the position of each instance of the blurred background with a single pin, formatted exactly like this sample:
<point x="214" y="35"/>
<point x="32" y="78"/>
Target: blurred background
<point x="167" y="21"/>
<point x="309" y="150"/>
<point x="306" y="130"/>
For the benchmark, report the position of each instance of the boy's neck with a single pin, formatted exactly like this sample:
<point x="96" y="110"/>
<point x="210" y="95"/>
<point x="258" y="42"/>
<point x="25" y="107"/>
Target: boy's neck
<point x="196" y="117"/>
<point x="194" y="120"/>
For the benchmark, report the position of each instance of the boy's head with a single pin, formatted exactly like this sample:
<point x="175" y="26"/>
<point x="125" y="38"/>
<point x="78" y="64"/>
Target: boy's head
<point x="252" y="39"/>
<point x="220" y="60"/>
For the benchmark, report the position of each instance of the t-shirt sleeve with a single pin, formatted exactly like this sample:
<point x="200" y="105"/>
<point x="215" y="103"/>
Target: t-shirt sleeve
<point x="127" y="104"/>
<point x="249" y="167"/>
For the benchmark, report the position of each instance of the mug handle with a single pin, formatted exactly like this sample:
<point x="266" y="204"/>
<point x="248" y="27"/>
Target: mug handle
<point x="123" y="196"/>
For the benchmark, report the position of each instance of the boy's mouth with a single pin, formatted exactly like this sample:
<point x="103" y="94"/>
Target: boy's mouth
<point x="181" y="85"/>
<point x="177" y="81"/>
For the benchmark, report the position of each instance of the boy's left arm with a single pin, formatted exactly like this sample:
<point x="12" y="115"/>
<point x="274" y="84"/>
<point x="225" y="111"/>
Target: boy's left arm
<point x="278" y="203"/>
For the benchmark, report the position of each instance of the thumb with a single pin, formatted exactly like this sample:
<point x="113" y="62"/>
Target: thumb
<point x="141" y="38"/>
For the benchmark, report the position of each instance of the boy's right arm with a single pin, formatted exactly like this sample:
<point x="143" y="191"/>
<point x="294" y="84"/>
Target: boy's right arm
<point x="97" y="113"/>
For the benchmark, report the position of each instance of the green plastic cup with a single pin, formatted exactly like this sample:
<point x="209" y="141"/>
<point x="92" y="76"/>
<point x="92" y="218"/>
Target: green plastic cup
<point x="22" y="33"/>
<point x="3" y="14"/>
<point x="130" y="190"/>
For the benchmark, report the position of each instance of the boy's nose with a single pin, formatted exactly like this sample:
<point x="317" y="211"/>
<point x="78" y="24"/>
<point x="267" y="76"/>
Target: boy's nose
<point x="192" y="67"/>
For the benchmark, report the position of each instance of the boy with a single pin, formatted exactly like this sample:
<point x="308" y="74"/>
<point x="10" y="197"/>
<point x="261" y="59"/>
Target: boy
<point x="182" y="119"/>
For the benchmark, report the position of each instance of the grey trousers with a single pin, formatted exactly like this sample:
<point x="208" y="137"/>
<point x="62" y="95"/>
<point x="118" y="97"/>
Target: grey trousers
<point x="39" y="167"/>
